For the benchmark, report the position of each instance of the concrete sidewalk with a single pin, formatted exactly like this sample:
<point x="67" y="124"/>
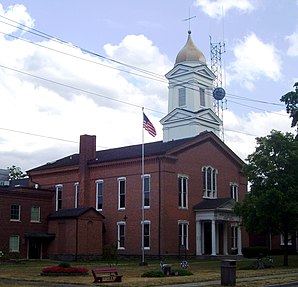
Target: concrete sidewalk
<point x="248" y="279"/>
<point x="195" y="284"/>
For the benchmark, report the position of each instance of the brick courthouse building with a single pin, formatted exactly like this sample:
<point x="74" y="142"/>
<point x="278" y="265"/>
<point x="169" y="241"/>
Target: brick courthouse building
<point x="77" y="204"/>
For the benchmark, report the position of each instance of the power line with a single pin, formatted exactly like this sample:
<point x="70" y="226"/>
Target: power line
<point x="42" y="136"/>
<point x="153" y="76"/>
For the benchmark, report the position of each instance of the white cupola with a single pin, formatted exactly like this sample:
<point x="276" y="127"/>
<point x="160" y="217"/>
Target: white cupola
<point x="190" y="101"/>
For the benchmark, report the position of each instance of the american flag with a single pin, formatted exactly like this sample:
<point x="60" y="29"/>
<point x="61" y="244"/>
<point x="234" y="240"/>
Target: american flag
<point x="148" y="126"/>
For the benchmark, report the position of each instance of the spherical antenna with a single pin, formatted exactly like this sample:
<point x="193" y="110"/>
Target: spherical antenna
<point x="219" y="94"/>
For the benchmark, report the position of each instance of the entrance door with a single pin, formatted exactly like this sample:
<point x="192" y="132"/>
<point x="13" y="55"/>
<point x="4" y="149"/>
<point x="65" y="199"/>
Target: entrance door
<point x="34" y="249"/>
<point x="207" y="238"/>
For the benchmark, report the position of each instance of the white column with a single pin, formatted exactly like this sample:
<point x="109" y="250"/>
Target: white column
<point x="203" y="237"/>
<point x="239" y="243"/>
<point x="199" y="238"/>
<point x="213" y="231"/>
<point x="225" y="239"/>
<point x="217" y="238"/>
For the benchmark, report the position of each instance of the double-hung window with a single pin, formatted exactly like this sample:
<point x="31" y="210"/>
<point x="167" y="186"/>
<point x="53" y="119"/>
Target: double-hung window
<point x="234" y="191"/>
<point x="182" y="191"/>
<point x="121" y="234"/>
<point x="146" y="234"/>
<point x="35" y="214"/>
<point x="14" y="243"/>
<point x="146" y="185"/>
<point x="209" y="182"/>
<point x="15" y="212"/>
<point x="234" y="237"/>
<point x="121" y="192"/>
<point x="99" y="194"/>
<point x="76" y="190"/>
<point x="183" y="233"/>
<point x="59" y="189"/>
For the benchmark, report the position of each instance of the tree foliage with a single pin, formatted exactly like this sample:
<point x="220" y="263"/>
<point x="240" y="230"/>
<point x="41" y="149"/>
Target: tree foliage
<point x="291" y="101"/>
<point x="271" y="206"/>
<point x="15" y="172"/>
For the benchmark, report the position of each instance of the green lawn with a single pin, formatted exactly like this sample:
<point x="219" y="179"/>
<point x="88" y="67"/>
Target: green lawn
<point x="203" y="270"/>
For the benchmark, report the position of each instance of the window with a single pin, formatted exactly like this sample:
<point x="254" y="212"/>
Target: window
<point x="209" y="182"/>
<point x="202" y="97"/>
<point x="77" y="189"/>
<point x="183" y="233"/>
<point x="121" y="192"/>
<point x="282" y="239"/>
<point x="183" y="191"/>
<point x="59" y="189"/>
<point x="146" y="191"/>
<point x="146" y="235"/>
<point x="35" y="214"/>
<point x="14" y="241"/>
<point x="121" y="235"/>
<point x="99" y="194"/>
<point x="182" y="97"/>
<point x="234" y="191"/>
<point x="15" y="212"/>
<point x="234" y="237"/>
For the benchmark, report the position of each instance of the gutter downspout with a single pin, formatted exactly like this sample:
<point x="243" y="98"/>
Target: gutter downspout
<point x="159" y="207"/>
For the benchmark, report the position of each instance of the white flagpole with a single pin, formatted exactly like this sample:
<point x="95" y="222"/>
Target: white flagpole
<point x="143" y="171"/>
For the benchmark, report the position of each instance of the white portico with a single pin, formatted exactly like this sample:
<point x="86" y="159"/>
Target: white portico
<point x="217" y="228"/>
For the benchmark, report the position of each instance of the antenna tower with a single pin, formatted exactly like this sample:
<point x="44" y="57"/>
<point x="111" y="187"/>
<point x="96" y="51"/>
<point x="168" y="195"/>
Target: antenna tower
<point x="216" y="50"/>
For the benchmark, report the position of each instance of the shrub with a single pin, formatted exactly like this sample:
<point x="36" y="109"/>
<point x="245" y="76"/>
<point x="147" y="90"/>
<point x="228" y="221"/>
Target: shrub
<point x="153" y="273"/>
<point x="64" y="265"/>
<point x="255" y="252"/>
<point x="182" y="272"/>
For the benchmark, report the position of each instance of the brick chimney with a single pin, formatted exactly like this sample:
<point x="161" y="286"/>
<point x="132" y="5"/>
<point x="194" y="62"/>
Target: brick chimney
<point x="87" y="152"/>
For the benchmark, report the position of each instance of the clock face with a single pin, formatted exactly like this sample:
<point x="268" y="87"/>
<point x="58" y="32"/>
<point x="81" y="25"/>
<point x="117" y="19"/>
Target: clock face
<point x="219" y="94"/>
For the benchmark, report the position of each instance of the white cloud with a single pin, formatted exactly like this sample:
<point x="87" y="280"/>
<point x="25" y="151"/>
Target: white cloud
<point x="254" y="59"/>
<point x="240" y="132"/>
<point x="293" y="44"/>
<point x="18" y="14"/>
<point x="216" y="9"/>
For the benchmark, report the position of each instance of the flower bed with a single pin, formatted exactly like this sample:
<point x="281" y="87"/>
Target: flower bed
<point x="64" y="271"/>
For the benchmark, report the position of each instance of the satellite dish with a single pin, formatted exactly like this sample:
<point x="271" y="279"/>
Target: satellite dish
<point x="219" y="94"/>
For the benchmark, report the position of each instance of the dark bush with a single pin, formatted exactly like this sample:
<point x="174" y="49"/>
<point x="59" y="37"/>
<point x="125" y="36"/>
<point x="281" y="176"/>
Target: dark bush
<point x="64" y="265"/>
<point x="153" y="273"/>
<point x="255" y="252"/>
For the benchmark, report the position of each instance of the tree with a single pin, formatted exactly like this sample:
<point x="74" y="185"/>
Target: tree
<point x="291" y="101"/>
<point x="15" y="172"/>
<point x="271" y="206"/>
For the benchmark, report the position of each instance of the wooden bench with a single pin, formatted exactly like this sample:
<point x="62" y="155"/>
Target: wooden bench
<point x="106" y="275"/>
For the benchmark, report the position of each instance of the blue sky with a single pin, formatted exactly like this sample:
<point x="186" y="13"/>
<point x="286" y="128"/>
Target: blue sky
<point x="54" y="91"/>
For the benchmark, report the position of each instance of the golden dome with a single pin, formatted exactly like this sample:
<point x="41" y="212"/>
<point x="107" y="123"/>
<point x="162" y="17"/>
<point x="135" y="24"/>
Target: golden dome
<point x="190" y="52"/>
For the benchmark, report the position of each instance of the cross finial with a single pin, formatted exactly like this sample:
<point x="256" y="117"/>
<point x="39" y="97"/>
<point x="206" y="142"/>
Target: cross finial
<point x="189" y="18"/>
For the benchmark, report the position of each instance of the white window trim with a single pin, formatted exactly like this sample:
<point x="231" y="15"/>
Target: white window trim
<point x="18" y="239"/>
<point x="185" y="222"/>
<point x="77" y="190"/>
<point x="143" y="199"/>
<point x="237" y="190"/>
<point x="118" y="186"/>
<point x="96" y="195"/>
<point x="212" y="183"/>
<point x="122" y="223"/>
<point x="147" y="222"/>
<point x="57" y="187"/>
<point x="35" y="221"/>
<point x="19" y="219"/>
<point x="184" y="206"/>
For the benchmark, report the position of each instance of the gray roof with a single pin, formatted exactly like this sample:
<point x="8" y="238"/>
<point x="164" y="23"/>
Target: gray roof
<point x="158" y="148"/>
<point x="71" y="212"/>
